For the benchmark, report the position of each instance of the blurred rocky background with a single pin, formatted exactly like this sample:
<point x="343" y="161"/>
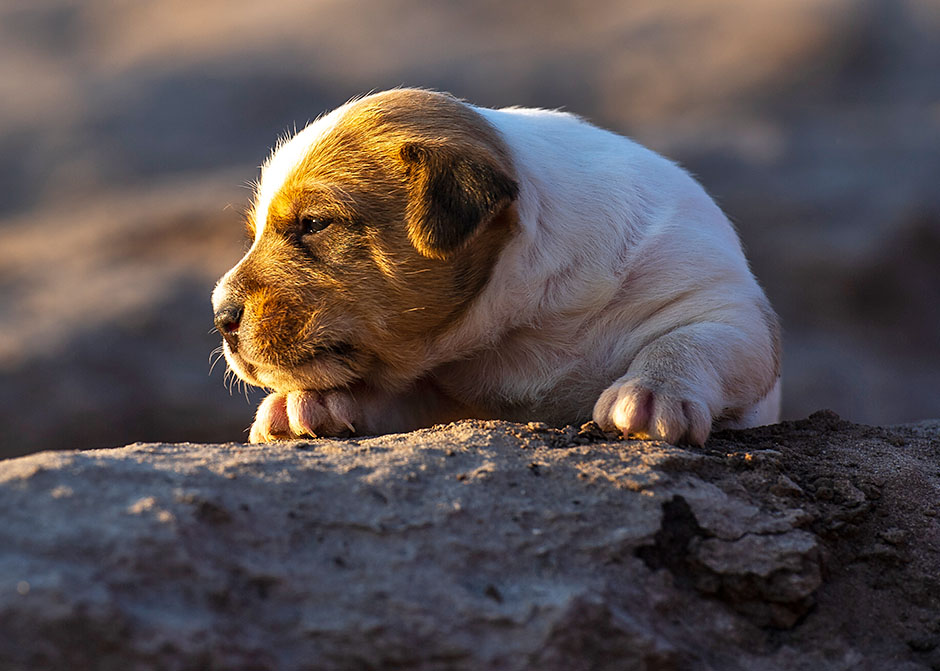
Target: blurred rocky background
<point x="129" y="131"/>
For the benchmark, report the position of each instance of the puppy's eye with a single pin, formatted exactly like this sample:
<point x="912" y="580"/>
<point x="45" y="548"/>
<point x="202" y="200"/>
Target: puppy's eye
<point x="310" y="225"/>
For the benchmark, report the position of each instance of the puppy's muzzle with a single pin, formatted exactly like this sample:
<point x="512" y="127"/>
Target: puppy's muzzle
<point x="227" y="319"/>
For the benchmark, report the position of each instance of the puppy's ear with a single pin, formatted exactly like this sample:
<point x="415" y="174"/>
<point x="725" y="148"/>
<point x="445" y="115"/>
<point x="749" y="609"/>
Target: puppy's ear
<point x="452" y="192"/>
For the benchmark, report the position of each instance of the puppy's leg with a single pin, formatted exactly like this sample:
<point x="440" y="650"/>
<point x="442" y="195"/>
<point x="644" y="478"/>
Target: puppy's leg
<point x="679" y="383"/>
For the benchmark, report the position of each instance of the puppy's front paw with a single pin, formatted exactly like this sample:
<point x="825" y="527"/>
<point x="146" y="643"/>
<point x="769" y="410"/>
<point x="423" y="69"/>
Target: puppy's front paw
<point x="648" y="410"/>
<point x="297" y="414"/>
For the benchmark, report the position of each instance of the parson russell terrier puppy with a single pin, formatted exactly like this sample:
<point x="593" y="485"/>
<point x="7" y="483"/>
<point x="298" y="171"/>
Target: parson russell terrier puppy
<point x="418" y="260"/>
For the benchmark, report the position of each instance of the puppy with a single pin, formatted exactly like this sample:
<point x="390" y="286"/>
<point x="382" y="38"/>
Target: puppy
<point x="417" y="260"/>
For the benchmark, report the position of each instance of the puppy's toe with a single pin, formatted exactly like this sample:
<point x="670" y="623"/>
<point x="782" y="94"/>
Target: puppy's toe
<point x="344" y="411"/>
<point x="679" y="420"/>
<point x="306" y="413"/>
<point x="646" y="411"/>
<point x="271" y="420"/>
<point x="312" y="413"/>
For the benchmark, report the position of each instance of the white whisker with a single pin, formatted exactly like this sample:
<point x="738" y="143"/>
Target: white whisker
<point x="214" y="358"/>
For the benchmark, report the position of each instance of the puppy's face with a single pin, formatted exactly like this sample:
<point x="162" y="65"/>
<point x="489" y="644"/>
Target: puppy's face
<point x="373" y="231"/>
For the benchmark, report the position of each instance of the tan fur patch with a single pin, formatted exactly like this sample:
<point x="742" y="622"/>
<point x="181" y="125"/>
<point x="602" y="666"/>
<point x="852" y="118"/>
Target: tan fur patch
<point x="416" y="189"/>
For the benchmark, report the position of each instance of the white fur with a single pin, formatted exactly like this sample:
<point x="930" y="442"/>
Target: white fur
<point x="609" y="231"/>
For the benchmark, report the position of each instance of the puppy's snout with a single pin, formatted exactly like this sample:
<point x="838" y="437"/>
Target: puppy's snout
<point x="227" y="320"/>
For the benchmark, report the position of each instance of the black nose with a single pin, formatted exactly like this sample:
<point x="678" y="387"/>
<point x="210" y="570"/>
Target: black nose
<point x="227" y="320"/>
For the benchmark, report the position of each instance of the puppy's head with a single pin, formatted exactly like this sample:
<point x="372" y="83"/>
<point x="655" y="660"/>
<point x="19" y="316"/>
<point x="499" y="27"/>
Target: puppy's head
<point x="373" y="230"/>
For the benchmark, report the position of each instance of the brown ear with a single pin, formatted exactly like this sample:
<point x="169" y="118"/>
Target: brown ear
<point x="451" y="193"/>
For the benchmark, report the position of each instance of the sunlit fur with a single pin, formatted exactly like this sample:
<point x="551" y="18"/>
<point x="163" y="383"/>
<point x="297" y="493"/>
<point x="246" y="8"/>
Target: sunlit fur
<point x="517" y="263"/>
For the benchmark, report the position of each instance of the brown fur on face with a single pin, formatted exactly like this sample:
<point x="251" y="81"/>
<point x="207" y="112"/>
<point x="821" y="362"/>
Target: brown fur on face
<point x="405" y="182"/>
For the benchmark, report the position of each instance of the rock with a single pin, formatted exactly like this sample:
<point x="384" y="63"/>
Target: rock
<point x="477" y="545"/>
<point x="770" y="577"/>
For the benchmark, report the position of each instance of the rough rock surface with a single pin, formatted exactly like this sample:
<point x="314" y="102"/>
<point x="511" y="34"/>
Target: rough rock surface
<point x="480" y="545"/>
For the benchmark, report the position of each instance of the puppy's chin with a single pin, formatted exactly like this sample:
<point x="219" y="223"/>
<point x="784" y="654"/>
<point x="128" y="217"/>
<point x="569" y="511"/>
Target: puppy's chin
<point x="320" y="372"/>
